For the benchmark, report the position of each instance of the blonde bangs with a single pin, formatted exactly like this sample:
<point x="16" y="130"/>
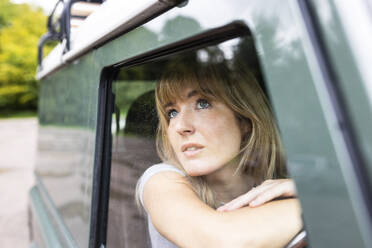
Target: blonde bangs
<point x="173" y="85"/>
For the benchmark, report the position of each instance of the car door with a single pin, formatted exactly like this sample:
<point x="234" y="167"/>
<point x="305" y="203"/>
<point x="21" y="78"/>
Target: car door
<point x="296" y="74"/>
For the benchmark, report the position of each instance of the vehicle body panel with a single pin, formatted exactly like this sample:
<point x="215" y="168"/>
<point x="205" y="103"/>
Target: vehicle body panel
<point x="329" y="196"/>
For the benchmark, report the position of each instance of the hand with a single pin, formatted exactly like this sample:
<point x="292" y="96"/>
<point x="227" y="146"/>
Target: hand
<point x="265" y="192"/>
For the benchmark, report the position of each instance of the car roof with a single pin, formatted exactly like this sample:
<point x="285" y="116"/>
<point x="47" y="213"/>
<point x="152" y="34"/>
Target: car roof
<point x="111" y="19"/>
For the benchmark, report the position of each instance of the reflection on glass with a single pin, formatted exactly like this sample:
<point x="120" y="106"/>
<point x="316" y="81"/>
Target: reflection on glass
<point x="64" y="165"/>
<point x="66" y="145"/>
<point x="133" y="127"/>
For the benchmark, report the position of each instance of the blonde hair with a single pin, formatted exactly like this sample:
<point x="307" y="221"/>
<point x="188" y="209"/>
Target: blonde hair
<point x="261" y="153"/>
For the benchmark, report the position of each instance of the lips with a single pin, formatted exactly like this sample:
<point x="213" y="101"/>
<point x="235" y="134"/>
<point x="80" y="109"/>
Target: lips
<point x="191" y="146"/>
<point x="191" y="149"/>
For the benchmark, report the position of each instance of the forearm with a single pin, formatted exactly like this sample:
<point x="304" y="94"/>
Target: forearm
<point x="271" y="225"/>
<point x="180" y="216"/>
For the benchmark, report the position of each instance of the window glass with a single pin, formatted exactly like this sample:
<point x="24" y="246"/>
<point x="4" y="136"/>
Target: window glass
<point x="66" y="145"/>
<point x="132" y="128"/>
<point x="135" y="123"/>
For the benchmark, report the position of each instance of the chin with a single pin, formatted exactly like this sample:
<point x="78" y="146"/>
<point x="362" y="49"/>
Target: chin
<point x="197" y="169"/>
<point x="194" y="173"/>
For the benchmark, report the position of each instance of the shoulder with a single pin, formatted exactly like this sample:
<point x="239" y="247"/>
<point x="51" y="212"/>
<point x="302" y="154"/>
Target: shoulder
<point x="156" y="172"/>
<point x="169" y="199"/>
<point x="160" y="168"/>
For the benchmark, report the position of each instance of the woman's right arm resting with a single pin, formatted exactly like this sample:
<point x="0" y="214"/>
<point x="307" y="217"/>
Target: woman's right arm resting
<point x="180" y="216"/>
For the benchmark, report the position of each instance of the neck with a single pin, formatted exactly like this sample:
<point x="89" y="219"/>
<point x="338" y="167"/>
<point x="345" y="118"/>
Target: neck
<point x="228" y="185"/>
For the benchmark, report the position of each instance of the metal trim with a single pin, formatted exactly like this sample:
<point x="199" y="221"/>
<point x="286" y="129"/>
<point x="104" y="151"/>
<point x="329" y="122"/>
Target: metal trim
<point x="49" y="207"/>
<point x="46" y="227"/>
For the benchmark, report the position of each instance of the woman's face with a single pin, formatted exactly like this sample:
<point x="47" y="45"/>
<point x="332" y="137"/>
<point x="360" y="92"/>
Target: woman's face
<point x="204" y="135"/>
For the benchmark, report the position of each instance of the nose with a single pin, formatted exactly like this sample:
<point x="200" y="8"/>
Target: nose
<point x="184" y="123"/>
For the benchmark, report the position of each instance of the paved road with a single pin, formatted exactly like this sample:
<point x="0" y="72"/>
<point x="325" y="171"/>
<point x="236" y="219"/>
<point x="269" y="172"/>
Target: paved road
<point x="17" y="156"/>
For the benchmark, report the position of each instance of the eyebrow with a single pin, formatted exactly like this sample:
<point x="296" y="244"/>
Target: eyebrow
<point x="191" y="94"/>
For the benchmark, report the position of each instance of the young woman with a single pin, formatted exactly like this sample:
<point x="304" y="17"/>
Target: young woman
<point x="223" y="164"/>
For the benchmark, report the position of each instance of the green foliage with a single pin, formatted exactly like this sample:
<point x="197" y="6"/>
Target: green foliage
<point x="128" y="91"/>
<point x="176" y="27"/>
<point x="7" y="13"/>
<point x="21" y="26"/>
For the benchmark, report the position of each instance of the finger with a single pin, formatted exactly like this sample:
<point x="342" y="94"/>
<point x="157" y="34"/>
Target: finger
<point x="269" y="181"/>
<point x="292" y="191"/>
<point x="261" y="194"/>
<point x="286" y="187"/>
<point x="245" y="199"/>
<point x="270" y="194"/>
<point x="232" y="204"/>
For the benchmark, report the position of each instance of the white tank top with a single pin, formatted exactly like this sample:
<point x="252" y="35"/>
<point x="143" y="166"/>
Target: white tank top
<point x="157" y="240"/>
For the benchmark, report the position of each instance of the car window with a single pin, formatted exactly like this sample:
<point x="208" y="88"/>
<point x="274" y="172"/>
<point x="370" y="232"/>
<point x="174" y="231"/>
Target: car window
<point x="135" y="126"/>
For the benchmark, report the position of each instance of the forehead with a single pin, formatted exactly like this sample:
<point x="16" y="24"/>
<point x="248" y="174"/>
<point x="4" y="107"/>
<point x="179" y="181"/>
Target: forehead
<point x="187" y="94"/>
<point x="173" y="89"/>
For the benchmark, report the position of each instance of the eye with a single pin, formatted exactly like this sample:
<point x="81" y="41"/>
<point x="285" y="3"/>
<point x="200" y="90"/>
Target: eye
<point x="172" y="113"/>
<point x="202" y="104"/>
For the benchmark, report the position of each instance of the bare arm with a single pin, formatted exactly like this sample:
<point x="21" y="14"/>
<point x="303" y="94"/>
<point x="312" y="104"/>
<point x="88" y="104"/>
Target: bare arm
<point x="267" y="191"/>
<point x="180" y="216"/>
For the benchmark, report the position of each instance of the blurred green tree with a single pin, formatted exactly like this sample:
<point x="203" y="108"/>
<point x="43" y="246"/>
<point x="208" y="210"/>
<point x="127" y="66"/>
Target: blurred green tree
<point x="21" y="26"/>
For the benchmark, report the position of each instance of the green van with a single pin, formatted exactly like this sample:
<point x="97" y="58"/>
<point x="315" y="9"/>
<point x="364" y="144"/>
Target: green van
<point x="97" y="118"/>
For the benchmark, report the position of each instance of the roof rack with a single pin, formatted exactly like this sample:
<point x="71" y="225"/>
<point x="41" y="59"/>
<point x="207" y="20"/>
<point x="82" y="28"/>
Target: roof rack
<point x="66" y="16"/>
<point x="110" y="19"/>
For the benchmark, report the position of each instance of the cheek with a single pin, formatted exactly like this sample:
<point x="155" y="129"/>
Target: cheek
<point x="172" y="138"/>
<point x="226" y="135"/>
